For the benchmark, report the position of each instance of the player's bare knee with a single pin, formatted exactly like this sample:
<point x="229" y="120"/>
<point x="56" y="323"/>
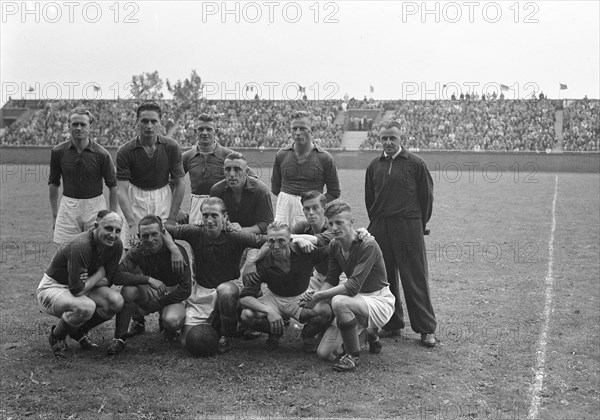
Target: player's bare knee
<point x="129" y="293"/>
<point x="247" y="316"/>
<point x="172" y="322"/>
<point x="339" y="303"/>
<point x="228" y="291"/>
<point x="326" y="354"/>
<point x="83" y="311"/>
<point x="114" y="302"/>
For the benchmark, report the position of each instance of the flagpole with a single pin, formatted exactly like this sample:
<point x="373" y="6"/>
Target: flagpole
<point x="559" y="91"/>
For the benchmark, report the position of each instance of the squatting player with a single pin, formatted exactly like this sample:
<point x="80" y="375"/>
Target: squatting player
<point x="300" y="167"/>
<point x="217" y="254"/>
<point x="363" y="301"/>
<point x="150" y="282"/>
<point x="286" y="271"/>
<point x="76" y="285"/>
<point x="82" y="164"/>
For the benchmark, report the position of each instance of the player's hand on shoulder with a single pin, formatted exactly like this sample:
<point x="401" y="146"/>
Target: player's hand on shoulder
<point x="363" y="233"/>
<point x="177" y="262"/>
<point x="233" y="227"/>
<point x="183" y="218"/>
<point x="305" y="245"/>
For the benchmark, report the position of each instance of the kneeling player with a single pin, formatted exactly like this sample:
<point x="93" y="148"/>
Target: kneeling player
<point x="363" y="301"/>
<point x="76" y="285"/>
<point x="150" y="282"/>
<point x="287" y="272"/>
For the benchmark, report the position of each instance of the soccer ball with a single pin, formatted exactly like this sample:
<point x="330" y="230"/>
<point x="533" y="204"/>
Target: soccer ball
<point x="202" y="340"/>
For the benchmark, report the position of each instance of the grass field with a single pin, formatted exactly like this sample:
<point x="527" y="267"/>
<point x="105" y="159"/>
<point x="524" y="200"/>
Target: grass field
<point x="515" y="286"/>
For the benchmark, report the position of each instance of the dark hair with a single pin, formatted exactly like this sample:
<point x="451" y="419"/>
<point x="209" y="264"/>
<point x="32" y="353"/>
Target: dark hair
<point x="235" y="155"/>
<point x="81" y="111"/>
<point x="336" y="207"/>
<point x="148" y="106"/>
<point x="309" y="195"/>
<point x="151" y="219"/>
<point x="206" y="118"/>
<point x="214" y="201"/>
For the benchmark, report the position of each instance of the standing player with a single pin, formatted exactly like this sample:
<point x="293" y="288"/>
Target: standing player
<point x="286" y="271"/>
<point x="363" y="301"/>
<point x="149" y="282"/>
<point x="204" y="162"/>
<point x="82" y="164"/>
<point x="76" y="285"/>
<point x="143" y="168"/>
<point x="217" y="255"/>
<point x="399" y="199"/>
<point x="300" y="167"/>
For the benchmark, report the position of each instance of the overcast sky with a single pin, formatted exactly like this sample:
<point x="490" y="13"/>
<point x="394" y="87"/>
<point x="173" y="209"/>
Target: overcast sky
<point x="403" y="49"/>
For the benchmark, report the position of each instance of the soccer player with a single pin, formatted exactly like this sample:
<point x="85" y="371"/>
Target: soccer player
<point x="314" y="229"/>
<point x="217" y="254"/>
<point x="399" y="200"/>
<point x="204" y="162"/>
<point x="143" y="168"/>
<point x="364" y="301"/>
<point x="300" y="167"/>
<point x="76" y="285"/>
<point x="247" y="199"/>
<point x="286" y="271"/>
<point x="150" y="282"/>
<point x="82" y="164"/>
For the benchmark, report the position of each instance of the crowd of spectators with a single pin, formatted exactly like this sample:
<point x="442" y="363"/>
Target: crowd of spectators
<point x="581" y="125"/>
<point x="519" y="125"/>
<point x="515" y="125"/>
<point x="114" y="125"/>
<point x="240" y="123"/>
<point x="261" y="124"/>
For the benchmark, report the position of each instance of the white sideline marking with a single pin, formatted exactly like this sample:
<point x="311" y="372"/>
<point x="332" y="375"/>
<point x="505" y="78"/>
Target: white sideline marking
<point x="536" y="386"/>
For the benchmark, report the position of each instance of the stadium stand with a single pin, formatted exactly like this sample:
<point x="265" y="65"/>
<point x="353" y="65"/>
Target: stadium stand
<point x="509" y="125"/>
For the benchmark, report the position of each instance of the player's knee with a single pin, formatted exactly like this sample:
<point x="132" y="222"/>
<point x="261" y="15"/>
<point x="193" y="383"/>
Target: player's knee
<point x="325" y="353"/>
<point x="129" y="293"/>
<point x="83" y="311"/>
<point x="173" y="322"/>
<point x="114" y="302"/>
<point x="339" y="303"/>
<point x="323" y="311"/>
<point x="247" y="316"/>
<point x="228" y="291"/>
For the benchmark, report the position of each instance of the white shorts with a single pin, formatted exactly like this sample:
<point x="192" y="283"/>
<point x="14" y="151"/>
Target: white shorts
<point x="381" y="308"/>
<point x="144" y="202"/>
<point x="288" y="307"/>
<point x="49" y="292"/>
<point x="195" y="209"/>
<point x="76" y="215"/>
<point x="289" y="209"/>
<point x="200" y="306"/>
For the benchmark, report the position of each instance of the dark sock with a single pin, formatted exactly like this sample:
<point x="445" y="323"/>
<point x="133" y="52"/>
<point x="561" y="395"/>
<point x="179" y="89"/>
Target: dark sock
<point x="349" y="332"/>
<point x="61" y="330"/>
<point x="313" y="327"/>
<point x="122" y="320"/>
<point x="262" y="325"/>
<point x="93" y="322"/>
